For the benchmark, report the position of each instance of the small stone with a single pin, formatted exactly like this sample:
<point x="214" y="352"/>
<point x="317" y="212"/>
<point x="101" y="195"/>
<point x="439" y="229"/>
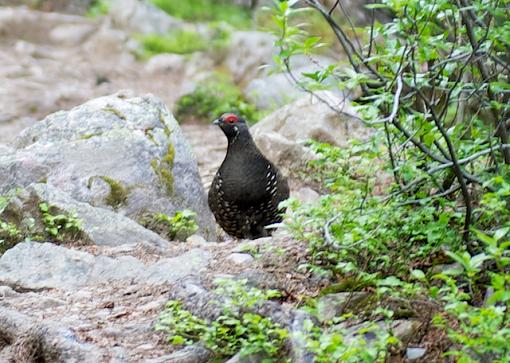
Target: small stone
<point x="306" y="195"/>
<point x="415" y="353"/>
<point x="196" y="239"/>
<point x="165" y="63"/>
<point x="404" y="330"/>
<point x="241" y="258"/>
<point x="333" y="305"/>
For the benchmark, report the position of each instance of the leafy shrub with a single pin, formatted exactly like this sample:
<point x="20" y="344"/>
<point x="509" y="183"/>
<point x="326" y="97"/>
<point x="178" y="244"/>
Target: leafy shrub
<point x="180" y="226"/>
<point x="59" y="226"/>
<point x="187" y="41"/>
<point x="179" y="42"/>
<point x="353" y="231"/>
<point x="434" y="83"/>
<point x="479" y="326"/>
<point x="214" y="97"/>
<point x="235" y="330"/>
<point x="10" y="235"/>
<point x="206" y="10"/>
<point x="98" y="8"/>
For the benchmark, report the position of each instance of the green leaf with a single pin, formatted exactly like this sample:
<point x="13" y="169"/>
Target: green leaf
<point x="418" y="275"/>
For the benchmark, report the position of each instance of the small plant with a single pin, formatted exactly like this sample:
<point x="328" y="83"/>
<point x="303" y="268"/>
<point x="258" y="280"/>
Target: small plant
<point x="478" y="325"/>
<point x="236" y="330"/>
<point x="181" y="326"/>
<point x="60" y="226"/>
<point x="180" y="226"/>
<point x="10" y="235"/>
<point x="178" y="42"/>
<point x="187" y="41"/>
<point x="98" y="8"/>
<point x="206" y="10"/>
<point x="214" y="97"/>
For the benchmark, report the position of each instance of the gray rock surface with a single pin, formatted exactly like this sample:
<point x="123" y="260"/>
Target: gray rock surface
<point x="111" y="145"/>
<point x="99" y="226"/>
<point x="32" y="341"/>
<point x="140" y="16"/>
<point x="253" y="49"/>
<point x="402" y="329"/>
<point x="241" y="258"/>
<point x="270" y="90"/>
<point x="281" y="135"/>
<point x="34" y="265"/>
<point x="191" y="354"/>
<point x="333" y="305"/>
<point x="415" y="353"/>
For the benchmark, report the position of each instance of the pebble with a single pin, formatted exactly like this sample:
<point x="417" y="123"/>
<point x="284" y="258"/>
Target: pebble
<point x="415" y="353"/>
<point x="241" y="258"/>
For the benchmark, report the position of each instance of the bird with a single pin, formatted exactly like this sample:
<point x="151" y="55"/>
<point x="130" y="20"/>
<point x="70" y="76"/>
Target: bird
<point x="247" y="188"/>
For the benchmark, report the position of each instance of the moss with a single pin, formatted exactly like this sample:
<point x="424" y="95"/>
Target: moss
<point x="118" y="193"/>
<point x="166" y="129"/>
<point x="164" y="169"/>
<point x="149" y="133"/>
<point x="115" y="112"/>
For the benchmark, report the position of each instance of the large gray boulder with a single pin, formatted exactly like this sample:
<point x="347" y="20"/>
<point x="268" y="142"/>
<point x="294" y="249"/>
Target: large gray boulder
<point x="270" y="90"/>
<point x="118" y="152"/>
<point x="325" y="117"/>
<point x="248" y="51"/>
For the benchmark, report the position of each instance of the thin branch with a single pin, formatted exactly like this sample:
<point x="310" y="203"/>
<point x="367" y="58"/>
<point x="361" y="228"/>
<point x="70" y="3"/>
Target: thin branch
<point x="396" y="100"/>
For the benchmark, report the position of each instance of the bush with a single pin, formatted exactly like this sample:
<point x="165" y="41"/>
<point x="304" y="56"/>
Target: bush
<point x="434" y="83"/>
<point x="206" y="10"/>
<point x="237" y="329"/>
<point x="214" y="97"/>
<point x="179" y="42"/>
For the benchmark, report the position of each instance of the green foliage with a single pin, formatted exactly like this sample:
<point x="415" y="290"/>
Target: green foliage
<point x="60" y="226"/>
<point x="206" y="10"/>
<point x="98" y="8"/>
<point x="336" y="345"/>
<point x="179" y="42"/>
<point x="181" y="326"/>
<point x="187" y="41"/>
<point x="366" y="236"/>
<point x="237" y="329"/>
<point x="479" y="326"/>
<point x="180" y="226"/>
<point x="434" y="84"/>
<point x="10" y="235"/>
<point x="214" y="97"/>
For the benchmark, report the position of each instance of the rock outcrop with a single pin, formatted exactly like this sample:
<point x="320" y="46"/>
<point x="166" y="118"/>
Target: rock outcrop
<point x="326" y="118"/>
<point x="122" y="153"/>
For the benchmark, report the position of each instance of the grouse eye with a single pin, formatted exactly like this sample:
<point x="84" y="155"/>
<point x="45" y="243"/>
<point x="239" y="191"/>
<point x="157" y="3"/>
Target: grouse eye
<point x="231" y="119"/>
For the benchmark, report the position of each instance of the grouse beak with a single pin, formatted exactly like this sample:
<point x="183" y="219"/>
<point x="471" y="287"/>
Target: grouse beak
<point x="216" y="122"/>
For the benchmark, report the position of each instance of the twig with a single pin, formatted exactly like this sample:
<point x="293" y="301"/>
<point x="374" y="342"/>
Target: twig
<point x="396" y="101"/>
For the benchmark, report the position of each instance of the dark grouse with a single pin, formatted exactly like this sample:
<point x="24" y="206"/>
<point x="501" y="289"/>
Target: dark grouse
<point x="247" y="188"/>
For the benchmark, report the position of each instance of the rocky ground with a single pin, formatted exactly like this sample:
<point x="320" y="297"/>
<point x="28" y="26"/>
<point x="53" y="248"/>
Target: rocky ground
<point x="96" y="298"/>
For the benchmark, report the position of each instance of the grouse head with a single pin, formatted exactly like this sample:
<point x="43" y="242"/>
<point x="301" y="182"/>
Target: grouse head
<point x="231" y="125"/>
